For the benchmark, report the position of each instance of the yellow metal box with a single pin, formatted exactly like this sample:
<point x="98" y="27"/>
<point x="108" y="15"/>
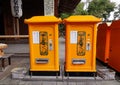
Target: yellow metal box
<point x="43" y="39"/>
<point x="80" y="45"/>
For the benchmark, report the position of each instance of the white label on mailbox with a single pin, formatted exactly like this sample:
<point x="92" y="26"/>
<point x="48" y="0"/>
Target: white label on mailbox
<point x="35" y="35"/>
<point x="73" y="37"/>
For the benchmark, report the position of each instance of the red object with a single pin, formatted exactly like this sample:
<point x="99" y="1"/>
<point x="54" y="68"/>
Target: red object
<point x="114" y="59"/>
<point x="103" y="42"/>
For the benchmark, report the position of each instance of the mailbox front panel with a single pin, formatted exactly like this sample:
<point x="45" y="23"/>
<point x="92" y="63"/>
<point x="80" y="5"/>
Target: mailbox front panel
<point x="103" y="42"/>
<point x="114" y="59"/>
<point x="79" y="47"/>
<point x="44" y="47"/>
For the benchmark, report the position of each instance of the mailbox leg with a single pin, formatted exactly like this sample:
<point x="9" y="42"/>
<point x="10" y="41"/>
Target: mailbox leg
<point x="117" y="76"/>
<point x="3" y="64"/>
<point x="30" y="74"/>
<point x="56" y="78"/>
<point x="94" y="75"/>
<point x="67" y="78"/>
<point x="9" y="61"/>
<point x="62" y="72"/>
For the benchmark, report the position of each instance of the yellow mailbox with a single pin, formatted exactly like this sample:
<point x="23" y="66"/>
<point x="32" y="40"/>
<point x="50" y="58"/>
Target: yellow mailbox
<point x="80" y="57"/>
<point x="43" y="39"/>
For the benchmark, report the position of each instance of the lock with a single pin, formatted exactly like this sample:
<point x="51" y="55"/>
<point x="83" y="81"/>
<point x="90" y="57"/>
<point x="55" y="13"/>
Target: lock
<point x="50" y="44"/>
<point x="88" y="46"/>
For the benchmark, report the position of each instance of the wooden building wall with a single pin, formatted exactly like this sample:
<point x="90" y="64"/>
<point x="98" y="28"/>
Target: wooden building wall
<point x="30" y="8"/>
<point x="1" y="20"/>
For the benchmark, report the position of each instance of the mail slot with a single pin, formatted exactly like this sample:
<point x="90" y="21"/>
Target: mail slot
<point x="80" y="54"/>
<point x="43" y="40"/>
<point x="78" y="61"/>
<point x="41" y="60"/>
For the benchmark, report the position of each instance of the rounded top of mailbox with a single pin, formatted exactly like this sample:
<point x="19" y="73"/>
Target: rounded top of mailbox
<point x="83" y="18"/>
<point x="104" y="26"/>
<point x="115" y="24"/>
<point x="42" y="19"/>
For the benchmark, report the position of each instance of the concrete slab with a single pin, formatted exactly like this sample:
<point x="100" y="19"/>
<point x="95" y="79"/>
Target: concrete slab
<point x="23" y="61"/>
<point x="17" y="48"/>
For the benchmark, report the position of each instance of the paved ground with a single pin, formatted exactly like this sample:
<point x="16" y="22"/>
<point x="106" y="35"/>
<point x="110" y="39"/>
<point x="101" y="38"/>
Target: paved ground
<point x="21" y="59"/>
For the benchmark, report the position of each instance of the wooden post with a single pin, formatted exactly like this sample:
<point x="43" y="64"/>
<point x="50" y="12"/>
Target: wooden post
<point x="56" y="2"/>
<point x="17" y="26"/>
<point x="14" y="27"/>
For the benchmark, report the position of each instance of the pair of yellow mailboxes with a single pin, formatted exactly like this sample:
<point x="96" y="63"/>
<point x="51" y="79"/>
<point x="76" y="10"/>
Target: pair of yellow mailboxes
<point x="80" y="43"/>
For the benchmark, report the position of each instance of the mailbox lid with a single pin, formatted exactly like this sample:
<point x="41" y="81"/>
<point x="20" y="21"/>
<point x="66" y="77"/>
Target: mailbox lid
<point x="115" y="24"/>
<point x="42" y="19"/>
<point x="83" y="18"/>
<point x="104" y="26"/>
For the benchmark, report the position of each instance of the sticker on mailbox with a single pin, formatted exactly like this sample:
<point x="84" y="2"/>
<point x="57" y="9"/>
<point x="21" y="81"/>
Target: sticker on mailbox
<point x="81" y="43"/>
<point x="73" y="37"/>
<point x="43" y="43"/>
<point x="35" y="35"/>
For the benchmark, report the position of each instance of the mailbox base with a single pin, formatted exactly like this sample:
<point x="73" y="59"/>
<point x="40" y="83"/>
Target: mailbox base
<point x="117" y="75"/>
<point x="44" y="73"/>
<point x="81" y="74"/>
<point x="102" y="62"/>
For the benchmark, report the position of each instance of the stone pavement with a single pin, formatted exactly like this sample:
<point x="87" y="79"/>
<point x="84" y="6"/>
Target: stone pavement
<point x="21" y="59"/>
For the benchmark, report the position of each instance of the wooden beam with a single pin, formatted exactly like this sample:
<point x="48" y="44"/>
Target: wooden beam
<point x="56" y="7"/>
<point x="14" y="36"/>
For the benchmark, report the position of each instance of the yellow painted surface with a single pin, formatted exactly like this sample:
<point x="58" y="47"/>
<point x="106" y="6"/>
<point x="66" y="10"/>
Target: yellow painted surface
<point x="81" y="43"/>
<point x="46" y="45"/>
